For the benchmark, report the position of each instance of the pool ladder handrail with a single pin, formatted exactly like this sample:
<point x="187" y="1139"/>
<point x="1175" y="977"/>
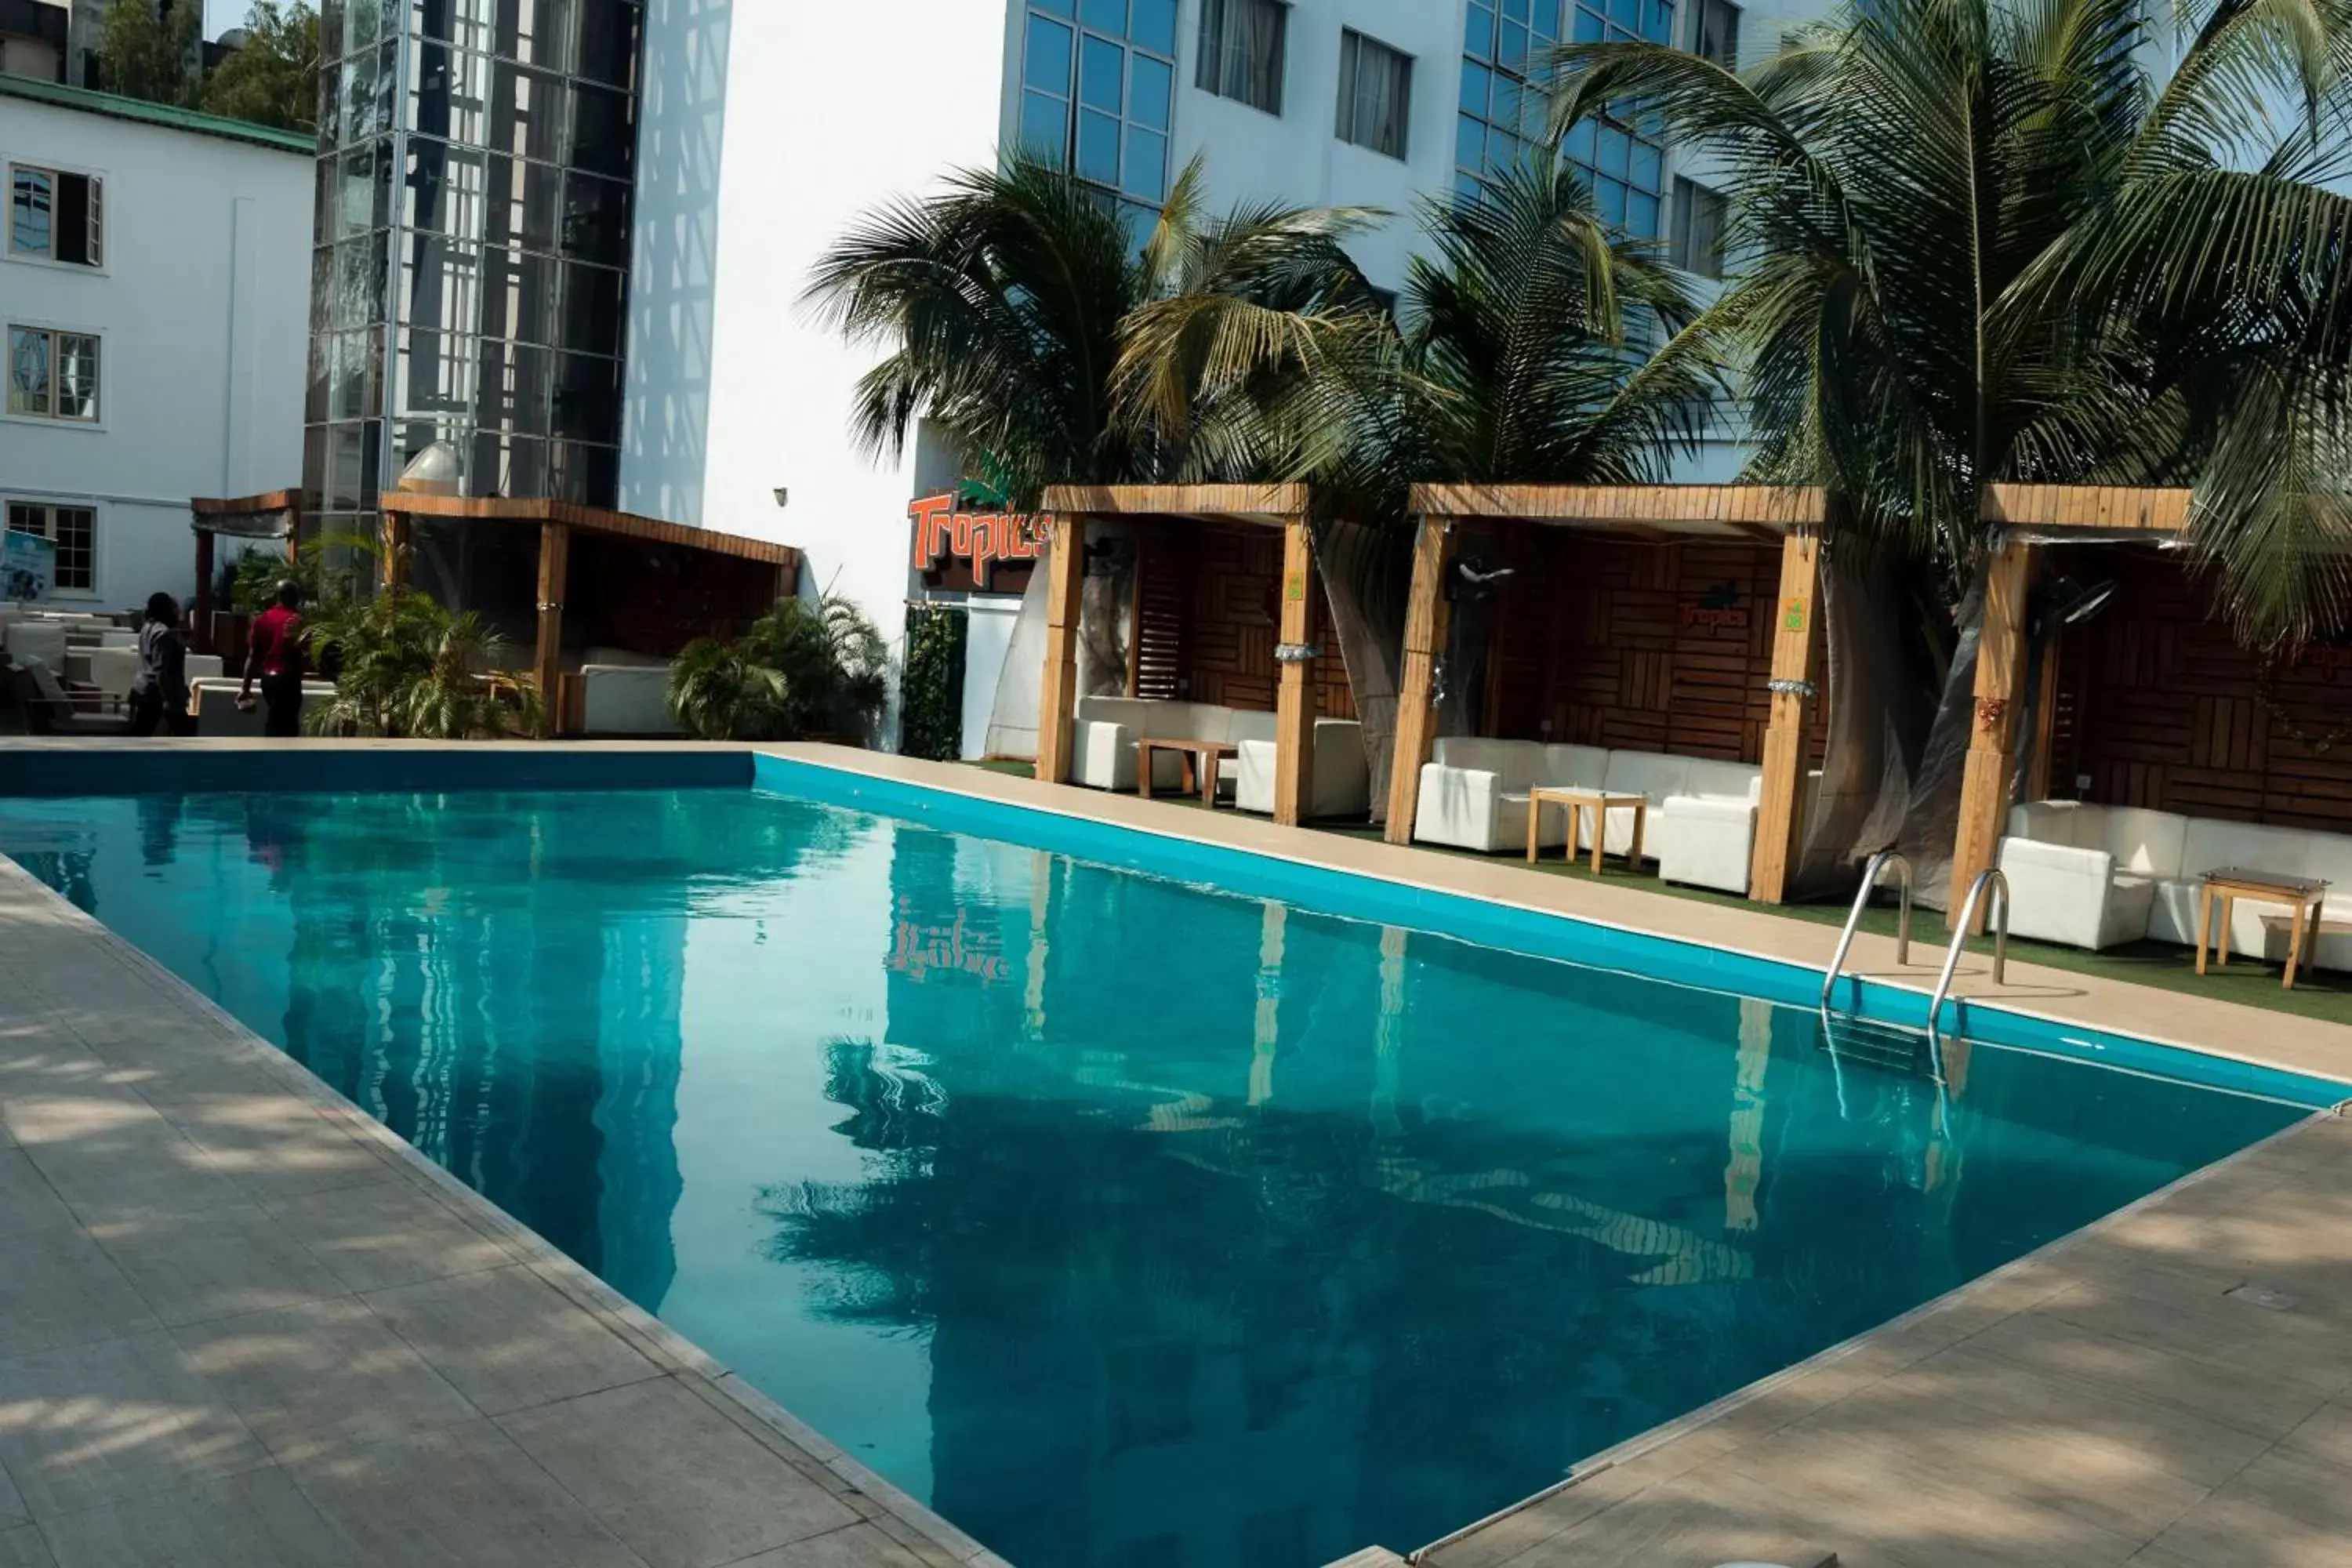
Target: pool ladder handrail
<point x="1991" y="876"/>
<point x="1878" y="863"/>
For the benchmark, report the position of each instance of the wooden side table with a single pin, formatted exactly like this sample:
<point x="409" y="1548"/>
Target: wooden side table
<point x="1601" y="802"/>
<point x="1201" y="759"/>
<point x="2228" y="884"/>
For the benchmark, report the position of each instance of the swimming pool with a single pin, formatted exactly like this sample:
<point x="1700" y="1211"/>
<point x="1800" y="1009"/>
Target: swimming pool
<point x="1122" y="1218"/>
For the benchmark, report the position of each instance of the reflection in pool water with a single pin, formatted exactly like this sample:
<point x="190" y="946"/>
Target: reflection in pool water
<point x="1125" y="1221"/>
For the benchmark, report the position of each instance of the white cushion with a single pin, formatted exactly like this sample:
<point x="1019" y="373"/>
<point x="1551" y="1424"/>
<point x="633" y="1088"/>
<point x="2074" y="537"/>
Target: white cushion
<point x="1578" y="767"/>
<point x="27" y="640"/>
<point x="2144" y="842"/>
<point x="1653" y="775"/>
<point x="1704" y="841"/>
<point x="1712" y="780"/>
<point x="1518" y="763"/>
<point x="1243" y="724"/>
<point x="2209" y="845"/>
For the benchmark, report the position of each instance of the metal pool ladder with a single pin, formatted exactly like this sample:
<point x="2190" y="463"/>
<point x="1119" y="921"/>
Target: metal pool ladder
<point x="1878" y="863"/>
<point x="1991" y="876"/>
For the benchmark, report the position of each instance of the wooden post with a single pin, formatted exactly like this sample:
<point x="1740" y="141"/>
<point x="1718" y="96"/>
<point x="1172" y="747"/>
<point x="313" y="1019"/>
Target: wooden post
<point x="203" y="627"/>
<point x="1057" y="695"/>
<point x="1426" y="617"/>
<point x="554" y="573"/>
<point x="1992" y="735"/>
<point x="1294" y="701"/>
<point x="393" y="536"/>
<point x="1780" y="814"/>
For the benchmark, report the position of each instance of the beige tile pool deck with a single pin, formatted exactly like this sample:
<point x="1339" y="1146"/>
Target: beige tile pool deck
<point x="242" y="1323"/>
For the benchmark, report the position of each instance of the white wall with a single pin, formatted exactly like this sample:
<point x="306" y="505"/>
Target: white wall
<point x="812" y="137"/>
<point x="202" y="308"/>
<point x="1253" y="157"/>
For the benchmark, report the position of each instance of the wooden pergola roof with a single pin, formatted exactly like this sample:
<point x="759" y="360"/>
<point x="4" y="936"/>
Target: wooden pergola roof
<point x="1659" y="512"/>
<point x="245" y="515"/>
<point x="1262" y="506"/>
<point x="590" y="520"/>
<point x="2087" y="509"/>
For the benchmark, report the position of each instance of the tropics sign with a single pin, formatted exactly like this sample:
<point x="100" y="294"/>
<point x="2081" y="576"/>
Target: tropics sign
<point x="980" y="540"/>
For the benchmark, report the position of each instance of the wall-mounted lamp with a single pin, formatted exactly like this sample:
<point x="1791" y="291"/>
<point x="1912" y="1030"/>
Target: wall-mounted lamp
<point x="783" y="495"/>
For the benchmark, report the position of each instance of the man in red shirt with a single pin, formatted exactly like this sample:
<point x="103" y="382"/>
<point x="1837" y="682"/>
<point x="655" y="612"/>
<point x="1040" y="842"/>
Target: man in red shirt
<point x="274" y="653"/>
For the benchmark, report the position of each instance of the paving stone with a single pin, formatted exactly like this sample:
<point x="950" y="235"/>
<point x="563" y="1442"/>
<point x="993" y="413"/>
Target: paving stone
<point x="23" y="1547"/>
<point x="113" y="1420"/>
<point x="858" y="1546"/>
<point x="216" y="1265"/>
<point x="320" y="1375"/>
<point x="508" y="1340"/>
<point x="257" y="1519"/>
<point x="673" y="1478"/>
<point x="59" y="1287"/>
<point x="457" y="1496"/>
<point x="396" y="1233"/>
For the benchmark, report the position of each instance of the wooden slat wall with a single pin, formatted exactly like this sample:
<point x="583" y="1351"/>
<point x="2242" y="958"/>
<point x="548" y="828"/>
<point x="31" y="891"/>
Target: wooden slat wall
<point x="1164" y="570"/>
<point x="2168" y="714"/>
<point x="1228" y="641"/>
<point x="1590" y="636"/>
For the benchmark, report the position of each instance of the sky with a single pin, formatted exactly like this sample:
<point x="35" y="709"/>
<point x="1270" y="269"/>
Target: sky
<point x="220" y="15"/>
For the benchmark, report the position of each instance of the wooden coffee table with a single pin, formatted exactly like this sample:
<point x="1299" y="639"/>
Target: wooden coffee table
<point x="1201" y="759"/>
<point x="2229" y="883"/>
<point x="1601" y="802"/>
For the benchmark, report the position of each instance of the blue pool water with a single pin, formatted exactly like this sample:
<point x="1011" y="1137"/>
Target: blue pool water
<point x="1123" y="1220"/>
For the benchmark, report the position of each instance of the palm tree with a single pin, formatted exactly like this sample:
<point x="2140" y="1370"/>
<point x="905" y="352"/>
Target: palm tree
<point x="1002" y="304"/>
<point x="803" y="669"/>
<point x="1978" y="240"/>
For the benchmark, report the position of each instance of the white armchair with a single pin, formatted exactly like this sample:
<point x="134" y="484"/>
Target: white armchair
<point x="1338" y="779"/>
<point x="2087" y="875"/>
<point x="1705" y="834"/>
<point x="625" y="699"/>
<point x="1105" y="730"/>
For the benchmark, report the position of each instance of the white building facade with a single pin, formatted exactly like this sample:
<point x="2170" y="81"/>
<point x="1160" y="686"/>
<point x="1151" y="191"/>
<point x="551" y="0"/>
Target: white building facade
<point x="766" y="134"/>
<point x="154" y="288"/>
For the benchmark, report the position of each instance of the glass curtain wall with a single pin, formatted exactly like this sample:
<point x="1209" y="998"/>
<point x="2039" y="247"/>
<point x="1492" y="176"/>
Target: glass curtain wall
<point x="1097" y="93"/>
<point x="1502" y="119"/>
<point x="469" y="278"/>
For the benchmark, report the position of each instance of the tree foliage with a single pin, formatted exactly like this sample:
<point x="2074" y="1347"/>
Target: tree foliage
<point x="146" y="53"/>
<point x="804" y="669"/>
<point x="272" y="80"/>
<point x="408" y="668"/>
<point x="2002" y="240"/>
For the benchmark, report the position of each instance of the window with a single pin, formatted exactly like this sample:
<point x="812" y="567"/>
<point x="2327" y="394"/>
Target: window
<point x="1698" y="229"/>
<point x="53" y="375"/>
<point x="1505" y="114"/>
<point x="1097" y="90"/>
<point x="1375" y="94"/>
<point x="1718" y="33"/>
<point x="72" y="528"/>
<point x="1242" y="51"/>
<point x="55" y="215"/>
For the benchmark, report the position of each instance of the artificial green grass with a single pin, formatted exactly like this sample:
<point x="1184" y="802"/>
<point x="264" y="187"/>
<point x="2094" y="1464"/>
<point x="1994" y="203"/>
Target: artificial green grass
<point x="2325" y="995"/>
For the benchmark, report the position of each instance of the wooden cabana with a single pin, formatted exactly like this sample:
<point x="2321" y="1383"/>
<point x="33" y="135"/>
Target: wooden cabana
<point x="717" y="583"/>
<point x="2031" y="519"/>
<point x="275" y="515"/>
<point x="1777" y="531"/>
<point x="1282" y="509"/>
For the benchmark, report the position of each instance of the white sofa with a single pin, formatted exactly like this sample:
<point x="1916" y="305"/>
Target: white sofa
<point x="1474" y="791"/>
<point x="2093" y="876"/>
<point x="1339" y="777"/>
<point x="1105" y="729"/>
<point x="28" y="639"/>
<point x="112" y="669"/>
<point x="625" y="699"/>
<point x="213" y="701"/>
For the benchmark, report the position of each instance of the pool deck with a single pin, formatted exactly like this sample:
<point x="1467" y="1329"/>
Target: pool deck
<point x="242" y="1323"/>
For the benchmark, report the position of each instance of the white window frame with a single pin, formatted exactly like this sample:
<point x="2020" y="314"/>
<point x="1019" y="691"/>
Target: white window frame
<point x="8" y="251"/>
<point x="53" y="504"/>
<point x="1350" y="72"/>
<point x="9" y="327"/>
